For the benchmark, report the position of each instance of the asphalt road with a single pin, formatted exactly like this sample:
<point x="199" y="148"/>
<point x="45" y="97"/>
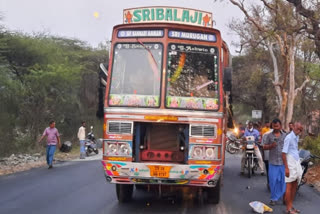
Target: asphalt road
<point x="80" y="187"/>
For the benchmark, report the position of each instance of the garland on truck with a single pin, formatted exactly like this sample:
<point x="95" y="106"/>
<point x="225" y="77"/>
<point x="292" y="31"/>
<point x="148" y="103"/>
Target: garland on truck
<point x="178" y="71"/>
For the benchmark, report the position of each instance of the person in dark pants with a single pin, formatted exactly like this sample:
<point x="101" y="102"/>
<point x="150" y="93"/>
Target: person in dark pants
<point x="265" y="153"/>
<point x="53" y="140"/>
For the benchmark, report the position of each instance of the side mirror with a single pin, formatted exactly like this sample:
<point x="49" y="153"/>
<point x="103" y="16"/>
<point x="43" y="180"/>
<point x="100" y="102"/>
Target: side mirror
<point x="227" y="86"/>
<point x="227" y="79"/>
<point x="103" y="76"/>
<point x="103" y="73"/>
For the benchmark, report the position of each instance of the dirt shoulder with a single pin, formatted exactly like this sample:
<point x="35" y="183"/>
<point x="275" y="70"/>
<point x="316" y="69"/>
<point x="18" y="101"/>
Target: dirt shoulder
<point x="19" y="163"/>
<point x="313" y="176"/>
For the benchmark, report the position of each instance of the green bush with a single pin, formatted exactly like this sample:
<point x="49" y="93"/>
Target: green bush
<point x="312" y="144"/>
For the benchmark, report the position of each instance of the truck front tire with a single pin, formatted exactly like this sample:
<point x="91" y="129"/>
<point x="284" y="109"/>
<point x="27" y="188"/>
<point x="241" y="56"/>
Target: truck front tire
<point x="124" y="192"/>
<point x="213" y="193"/>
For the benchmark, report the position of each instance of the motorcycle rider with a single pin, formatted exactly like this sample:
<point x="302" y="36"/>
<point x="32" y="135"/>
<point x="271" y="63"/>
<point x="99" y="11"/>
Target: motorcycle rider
<point x="250" y="131"/>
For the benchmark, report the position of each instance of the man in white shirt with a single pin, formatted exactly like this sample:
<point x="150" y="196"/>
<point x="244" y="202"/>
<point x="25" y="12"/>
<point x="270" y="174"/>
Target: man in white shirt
<point x="293" y="170"/>
<point x="82" y="137"/>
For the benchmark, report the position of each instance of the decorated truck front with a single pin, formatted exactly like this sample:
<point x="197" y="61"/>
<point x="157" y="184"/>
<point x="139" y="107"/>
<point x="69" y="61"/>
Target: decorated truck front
<point x="165" y="114"/>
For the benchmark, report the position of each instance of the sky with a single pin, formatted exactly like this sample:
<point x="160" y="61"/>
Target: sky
<point x="92" y="20"/>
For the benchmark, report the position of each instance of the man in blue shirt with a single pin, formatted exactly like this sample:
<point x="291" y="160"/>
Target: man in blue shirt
<point x="293" y="170"/>
<point x="250" y="131"/>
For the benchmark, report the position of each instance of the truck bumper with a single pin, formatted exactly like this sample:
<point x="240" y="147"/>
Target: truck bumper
<point x="178" y="174"/>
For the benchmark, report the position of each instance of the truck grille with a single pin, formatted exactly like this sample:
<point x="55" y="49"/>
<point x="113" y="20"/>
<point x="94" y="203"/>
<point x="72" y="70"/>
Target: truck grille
<point x="119" y="127"/>
<point x="203" y="131"/>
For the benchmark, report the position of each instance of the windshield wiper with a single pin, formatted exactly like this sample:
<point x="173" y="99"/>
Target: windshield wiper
<point x="154" y="64"/>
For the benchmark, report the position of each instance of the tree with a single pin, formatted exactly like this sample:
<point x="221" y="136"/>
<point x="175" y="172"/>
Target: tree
<point x="253" y="84"/>
<point x="273" y="24"/>
<point x="312" y="19"/>
<point x="41" y="78"/>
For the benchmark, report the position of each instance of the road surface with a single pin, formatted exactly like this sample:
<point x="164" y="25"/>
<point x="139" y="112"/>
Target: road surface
<point x="80" y="187"/>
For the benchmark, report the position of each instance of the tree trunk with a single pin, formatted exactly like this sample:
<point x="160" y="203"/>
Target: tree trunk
<point x="283" y="105"/>
<point x="276" y="75"/>
<point x="291" y="94"/>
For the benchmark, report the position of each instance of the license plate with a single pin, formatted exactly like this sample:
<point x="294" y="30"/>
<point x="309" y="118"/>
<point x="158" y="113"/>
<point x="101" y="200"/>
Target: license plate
<point x="159" y="171"/>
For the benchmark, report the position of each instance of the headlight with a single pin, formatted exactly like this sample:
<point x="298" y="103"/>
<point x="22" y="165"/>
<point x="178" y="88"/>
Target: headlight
<point x="203" y="152"/>
<point x="114" y="148"/>
<point x="210" y="154"/>
<point x="236" y="130"/>
<point x="124" y="149"/>
<point x="197" y="152"/>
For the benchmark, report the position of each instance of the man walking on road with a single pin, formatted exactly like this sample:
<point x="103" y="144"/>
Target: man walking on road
<point x="293" y="170"/>
<point x="82" y="138"/>
<point x="274" y="142"/>
<point x="52" y="140"/>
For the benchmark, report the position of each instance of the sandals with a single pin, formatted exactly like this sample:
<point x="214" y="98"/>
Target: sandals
<point x="295" y="210"/>
<point x="292" y="211"/>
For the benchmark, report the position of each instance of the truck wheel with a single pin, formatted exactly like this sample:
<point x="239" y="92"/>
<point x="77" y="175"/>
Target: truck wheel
<point x="124" y="192"/>
<point x="213" y="194"/>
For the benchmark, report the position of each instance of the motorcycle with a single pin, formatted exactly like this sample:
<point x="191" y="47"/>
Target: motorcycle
<point x="305" y="160"/>
<point x="251" y="161"/>
<point x="90" y="143"/>
<point x="233" y="144"/>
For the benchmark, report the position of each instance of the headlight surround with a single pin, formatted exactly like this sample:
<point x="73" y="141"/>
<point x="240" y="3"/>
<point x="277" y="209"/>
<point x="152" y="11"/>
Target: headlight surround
<point x="117" y="149"/>
<point x="203" y="152"/>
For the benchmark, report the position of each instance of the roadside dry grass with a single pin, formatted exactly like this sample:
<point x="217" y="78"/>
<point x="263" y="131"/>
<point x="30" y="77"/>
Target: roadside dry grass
<point x="59" y="156"/>
<point x="313" y="176"/>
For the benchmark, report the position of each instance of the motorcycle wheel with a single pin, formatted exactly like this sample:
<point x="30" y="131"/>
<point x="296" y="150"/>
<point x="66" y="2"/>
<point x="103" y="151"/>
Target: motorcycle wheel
<point x="249" y="167"/>
<point x="96" y="151"/>
<point x="124" y="192"/>
<point x="230" y="148"/>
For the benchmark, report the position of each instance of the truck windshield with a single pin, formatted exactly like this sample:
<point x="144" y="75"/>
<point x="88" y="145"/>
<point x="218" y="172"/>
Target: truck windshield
<point x="192" y="77"/>
<point x="135" y="77"/>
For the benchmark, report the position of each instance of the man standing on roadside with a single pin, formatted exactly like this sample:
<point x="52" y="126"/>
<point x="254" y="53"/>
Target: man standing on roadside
<point x="266" y="128"/>
<point x="265" y="153"/>
<point x="82" y="138"/>
<point x="293" y="170"/>
<point x="291" y="125"/>
<point x="274" y="142"/>
<point x="53" y="139"/>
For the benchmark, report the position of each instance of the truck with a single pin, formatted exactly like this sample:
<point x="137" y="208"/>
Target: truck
<point x="167" y="102"/>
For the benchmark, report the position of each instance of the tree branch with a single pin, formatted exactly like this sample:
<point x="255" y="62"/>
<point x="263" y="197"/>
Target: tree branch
<point x="268" y="5"/>
<point x="302" y="86"/>
<point x="251" y="19"/>
<point x="309" y="14"/>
